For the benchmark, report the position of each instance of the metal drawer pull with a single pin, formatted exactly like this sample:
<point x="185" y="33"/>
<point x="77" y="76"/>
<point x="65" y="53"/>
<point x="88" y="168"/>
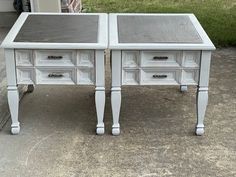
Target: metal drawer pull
<point x="160" y="58"/>
<point x="55" y="75"/>
<point x="55" y="57"/>
<point x="159" y="76"/>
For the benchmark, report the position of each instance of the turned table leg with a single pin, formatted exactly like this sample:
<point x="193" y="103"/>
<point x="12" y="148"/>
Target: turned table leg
<point x="100" y="105"/>
<point x="115" y="104"/>
<point x="13" y="101"/>
<point x="116" y="90"/>
<point x="202" y="92"/>
<point x="202" y="99"/>
<point x="12" y="90"/>
<point x="100" y="91"/>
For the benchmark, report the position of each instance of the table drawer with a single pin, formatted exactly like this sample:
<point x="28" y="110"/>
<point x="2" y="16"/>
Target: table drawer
<point x="191" y="59"/>
<point x="55" y="76"/>
<point x="55" y="57"/>
<point x="190" y="77"/>
<point x="86" y="58"/>
<point x="24" y="58"/>
<point x="160" y="58"/>
<point x="85" y="76"/>
<point x="25" y="75"/>
<point x="160" y="77"/>
<point x="130" y="77"/>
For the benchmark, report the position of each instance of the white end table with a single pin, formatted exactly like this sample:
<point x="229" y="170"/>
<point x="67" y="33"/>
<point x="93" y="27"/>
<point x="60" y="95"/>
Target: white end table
<point x="159" y="49"/>
<point x="56" y="49"/>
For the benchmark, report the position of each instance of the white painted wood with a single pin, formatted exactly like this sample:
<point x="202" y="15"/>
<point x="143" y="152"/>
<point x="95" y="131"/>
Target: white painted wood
<point x="205" y="69"/>
<point x="86" y="58"/>
<point x="85" y="76"/>
<point x="202" y="93"/>
<point x="100" y="106"/>
<point x="130" y="77"/>
<point x="190" y="76"/>
<point x="130" y="59"/>
<point x="191" y="59"/>
<point x="161" y="58"/>
<point x="10" y="67"/>
<point x="25" y="75"/>
<point x="116" y="68"/>
<point x="202" y="99"/>
<point x="183" y="88"/>
<point x="100" y="90"/>
<point x="68" y="64"/>
<point x="114" y="43"/>
<point x="160" y="77"/>
<point x="100" y="68"/>
<point x="101" y="44"/>
<point x="24" y="57"/>
<point x="13" y="101"/>
<point x="115" y="104"/>
<point x="13" y="94"/>
<point x="56" y="76"/>
<point x="55" y="57"/>
<point x="190" y="66"/>
<point x="116" y="90"/>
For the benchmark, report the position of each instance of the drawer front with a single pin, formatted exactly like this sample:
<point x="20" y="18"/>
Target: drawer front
<point x="191" y="59"/>
<point x="160" y="58"/>
<point x="25" y="76"/>
<point x="85" y="76"/>
<point x="130" y="59"/>
<point x="55" y="76"/>
<point x="190" y="77"/>
<point x="160" y="77"/>
<point x="24" y="57"/>
<point x="86" y="58"/>
<point x="130" y="77"/>
<point x="55" y="57"/>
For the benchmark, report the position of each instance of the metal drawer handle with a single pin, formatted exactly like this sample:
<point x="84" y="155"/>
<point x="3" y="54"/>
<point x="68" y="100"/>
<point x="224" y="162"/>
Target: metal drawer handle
<point x="160" y="58"/>
<point x="55" y="75"/>
<point x="51" y="57"/>
<point x="159" y="76"/>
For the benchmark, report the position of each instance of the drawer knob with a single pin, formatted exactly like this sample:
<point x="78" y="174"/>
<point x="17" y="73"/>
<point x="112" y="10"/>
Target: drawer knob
<point x="55" y="57"/>
<point x="159" y="76"/>
<point x="160" y="58"/>
<point x="55" y="75"/>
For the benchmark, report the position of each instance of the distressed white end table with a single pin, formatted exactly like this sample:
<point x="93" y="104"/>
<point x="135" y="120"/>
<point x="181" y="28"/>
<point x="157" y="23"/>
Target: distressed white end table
<point x="56" y="49"/>
<point x="159" y="49"/>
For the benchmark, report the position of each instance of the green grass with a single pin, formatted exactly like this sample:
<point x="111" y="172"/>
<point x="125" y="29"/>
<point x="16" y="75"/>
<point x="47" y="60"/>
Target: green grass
<point x="218" y="17"/>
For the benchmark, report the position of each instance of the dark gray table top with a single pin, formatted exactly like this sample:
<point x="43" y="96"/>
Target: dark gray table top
<point x="59" y="29"/>
<point x="156" y="29"/>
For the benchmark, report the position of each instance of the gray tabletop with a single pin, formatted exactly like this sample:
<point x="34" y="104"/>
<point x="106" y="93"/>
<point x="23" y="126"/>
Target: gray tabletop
<point x="156" y="29"/>
<point x="59" y="29"/>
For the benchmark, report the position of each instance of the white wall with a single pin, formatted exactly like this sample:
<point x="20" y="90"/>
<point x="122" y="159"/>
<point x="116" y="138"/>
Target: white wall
<point x="6" y="6"/>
